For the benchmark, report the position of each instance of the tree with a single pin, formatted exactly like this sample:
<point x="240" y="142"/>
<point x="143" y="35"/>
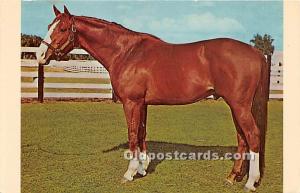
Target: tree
<point x="263" y="43"/>
<point x="35" y="41"/>
<point x="30" y="40"/>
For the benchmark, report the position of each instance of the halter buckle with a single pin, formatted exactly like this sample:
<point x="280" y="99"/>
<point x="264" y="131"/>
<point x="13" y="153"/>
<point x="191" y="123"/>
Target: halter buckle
<point x="73" y="29"/>
<point x="71" y="37"/>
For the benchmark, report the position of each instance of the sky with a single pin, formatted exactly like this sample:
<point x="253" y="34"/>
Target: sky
<point x="172" y="21"/>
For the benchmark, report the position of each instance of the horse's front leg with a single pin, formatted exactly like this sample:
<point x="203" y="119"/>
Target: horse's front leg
<point x="143" y="157"/>
<point x="133" y="112"/>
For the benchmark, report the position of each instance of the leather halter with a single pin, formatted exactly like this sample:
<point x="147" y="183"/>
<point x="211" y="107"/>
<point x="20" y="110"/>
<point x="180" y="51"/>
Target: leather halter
<point x="58" y="52"/>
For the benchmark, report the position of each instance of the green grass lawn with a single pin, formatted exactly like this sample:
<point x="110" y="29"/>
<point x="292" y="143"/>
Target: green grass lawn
<point x="78" y="147"/>
<point x="276" y="91"/>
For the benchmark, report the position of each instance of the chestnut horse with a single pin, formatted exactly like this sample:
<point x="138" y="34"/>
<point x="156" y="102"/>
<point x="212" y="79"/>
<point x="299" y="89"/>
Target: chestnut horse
<point x="145" y="70"/>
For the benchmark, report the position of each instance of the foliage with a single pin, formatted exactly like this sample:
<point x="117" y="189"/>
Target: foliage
<point x="35" y="41"/>
<point x="30" y="40"/>
<point x="263" y="43"/>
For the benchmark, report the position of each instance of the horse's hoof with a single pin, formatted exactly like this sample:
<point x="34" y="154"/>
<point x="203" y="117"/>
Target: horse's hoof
<point x="228" y="182"/>
<point x="239" y="178"/>
<point x="142" y="173"/>
<point x="124" y="180"/>
<point x="246" y="189"/>
<point x="257" y="183"/>
<point x="249" y="189"/>
<point x="230" y="179"/>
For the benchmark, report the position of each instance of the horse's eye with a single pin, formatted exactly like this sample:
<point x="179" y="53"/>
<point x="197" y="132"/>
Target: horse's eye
<point x="63" y="29"/>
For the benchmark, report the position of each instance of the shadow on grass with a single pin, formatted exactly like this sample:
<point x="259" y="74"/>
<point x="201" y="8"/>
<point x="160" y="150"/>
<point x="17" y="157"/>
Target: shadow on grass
<point x="165" y="147"/>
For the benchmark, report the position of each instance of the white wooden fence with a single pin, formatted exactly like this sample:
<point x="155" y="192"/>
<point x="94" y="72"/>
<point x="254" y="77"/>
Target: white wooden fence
<point x="93" y="69"/>
<point x="73" y="69"/>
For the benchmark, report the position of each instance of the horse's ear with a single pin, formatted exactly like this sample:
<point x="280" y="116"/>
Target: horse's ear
<point x="66" y="11"/>
<point x="56" y="11"/>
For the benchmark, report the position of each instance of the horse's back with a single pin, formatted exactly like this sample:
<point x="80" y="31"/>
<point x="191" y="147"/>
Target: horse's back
<point x="185" y="73"/>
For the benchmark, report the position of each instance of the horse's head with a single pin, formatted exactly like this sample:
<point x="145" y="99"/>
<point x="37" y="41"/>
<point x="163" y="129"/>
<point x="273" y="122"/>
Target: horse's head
<point x="60" y="39"/>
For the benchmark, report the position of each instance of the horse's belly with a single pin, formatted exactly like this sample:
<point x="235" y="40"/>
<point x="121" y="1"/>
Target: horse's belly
<point x="175" y="96"/>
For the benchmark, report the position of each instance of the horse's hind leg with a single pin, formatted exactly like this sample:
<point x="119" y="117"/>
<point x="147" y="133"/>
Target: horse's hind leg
<point x="245" y="119"/>
<point x="240" y="166"/>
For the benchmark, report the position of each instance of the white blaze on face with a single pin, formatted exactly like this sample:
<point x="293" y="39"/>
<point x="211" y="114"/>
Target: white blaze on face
<point x="40" y="54"/>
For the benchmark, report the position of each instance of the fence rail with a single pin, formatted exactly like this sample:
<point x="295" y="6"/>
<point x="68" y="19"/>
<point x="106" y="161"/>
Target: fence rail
<point x="68" y="95"/>
<point x="35" y="49"/>
<point x="65" y="75"/>
<point x="68" y="85"/>
<point x="91" y="69"/>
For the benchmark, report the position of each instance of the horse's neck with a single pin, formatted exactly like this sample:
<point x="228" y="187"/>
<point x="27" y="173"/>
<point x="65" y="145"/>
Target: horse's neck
<point x="107" y="47"/>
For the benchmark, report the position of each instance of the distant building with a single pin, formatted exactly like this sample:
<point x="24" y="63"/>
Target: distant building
<point x="277" y="58"/>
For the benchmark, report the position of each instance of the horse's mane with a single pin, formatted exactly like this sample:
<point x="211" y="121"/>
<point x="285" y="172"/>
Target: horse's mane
<point x="96" y="22"/>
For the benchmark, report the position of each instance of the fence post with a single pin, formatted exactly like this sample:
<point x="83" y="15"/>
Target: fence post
<point x="269" y="62"/>
<point x="114" y="98"/>
<point x="41" y="83"/>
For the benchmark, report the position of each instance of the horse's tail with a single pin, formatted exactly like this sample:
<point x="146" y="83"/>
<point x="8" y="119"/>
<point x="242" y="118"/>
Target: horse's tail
<point x="260" y="108"/>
